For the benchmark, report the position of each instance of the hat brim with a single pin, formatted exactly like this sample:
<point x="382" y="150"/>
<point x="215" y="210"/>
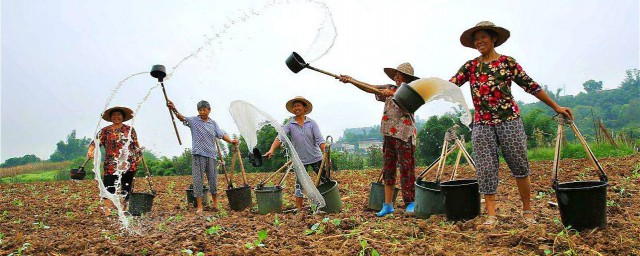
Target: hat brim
<point x="391" y="72"/>
<point x="289" y="105"/>
<point x="128" y="113"/>
<point x="466" y="38"/>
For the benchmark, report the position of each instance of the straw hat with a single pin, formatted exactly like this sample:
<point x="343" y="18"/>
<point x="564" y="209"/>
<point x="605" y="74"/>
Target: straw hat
<point x="301" y="99"/>
<point x="128" y="113"/>
<point x="404" y="68"/>
<point x="467" y="36"/>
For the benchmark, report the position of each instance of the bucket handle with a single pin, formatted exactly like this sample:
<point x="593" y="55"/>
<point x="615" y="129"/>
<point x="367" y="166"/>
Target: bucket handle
<point x="148" y="174"/>
<point x="560" y="134"/>
<point x="222" y="164"/>
<point x="326" y="157"/>
<point x="274" y="173"/>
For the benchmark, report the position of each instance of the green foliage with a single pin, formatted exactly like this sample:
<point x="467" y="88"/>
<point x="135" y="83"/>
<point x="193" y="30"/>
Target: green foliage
<point x="347" y="161"/>
<point x="430" y="137"/>
<point x="538" y="120"/>
<point x="364" y="248"/>
<point x="20" y="250"/>
<point x="72" y="148"/>
<point x="592" y="86"/>
<point x="15" y="161"/>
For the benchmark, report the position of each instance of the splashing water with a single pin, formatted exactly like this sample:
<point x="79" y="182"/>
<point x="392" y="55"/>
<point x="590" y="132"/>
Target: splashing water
<point x="323" y="42"/>
<point x="434" y="88"/>
<point x="249" y="120"/>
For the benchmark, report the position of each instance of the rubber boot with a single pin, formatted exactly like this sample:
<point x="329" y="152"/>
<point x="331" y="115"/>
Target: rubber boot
<point x="386" y="209"/>
<point x="410" y="207"/>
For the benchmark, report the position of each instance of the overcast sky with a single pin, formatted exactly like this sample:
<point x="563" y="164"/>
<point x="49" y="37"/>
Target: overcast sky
<point x="61" y="60"/>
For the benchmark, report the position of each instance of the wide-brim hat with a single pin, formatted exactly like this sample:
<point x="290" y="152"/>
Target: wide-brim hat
<point x="466" y="38"/>
<point x="301" y="99"/>
<point x="128" y="113"/>
<point x="404" y="68"/>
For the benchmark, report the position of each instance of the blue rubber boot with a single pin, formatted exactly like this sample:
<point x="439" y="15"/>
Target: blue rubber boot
<point x="410" y="207"/>
<point x="386" y="209"/>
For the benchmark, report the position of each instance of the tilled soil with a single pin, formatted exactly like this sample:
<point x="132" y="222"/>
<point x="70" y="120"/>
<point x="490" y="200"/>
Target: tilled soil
<point x="65" y="218"/>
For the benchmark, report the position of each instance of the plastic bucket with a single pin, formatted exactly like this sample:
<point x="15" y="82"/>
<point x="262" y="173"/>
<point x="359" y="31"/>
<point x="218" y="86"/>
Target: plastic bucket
<point x="583" y="204"/>
<point x="461" y="199"/>
<point x="206" y="196"/>
<point x="429" y="199"/>
<point x="269" y="199"/>
<point x="239" y="198"/>
<point x="331" y="194"/>
<point x="140" y="203"/>
<point x="376" y="196"/>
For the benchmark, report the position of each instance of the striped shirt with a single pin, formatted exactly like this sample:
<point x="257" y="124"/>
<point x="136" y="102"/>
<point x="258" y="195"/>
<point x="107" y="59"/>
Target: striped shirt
<point x="306" y="139"/>
<point x="202" y="136"/>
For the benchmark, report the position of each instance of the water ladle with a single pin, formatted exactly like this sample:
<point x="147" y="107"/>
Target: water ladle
<point x="79" y="174"/>
<point x="295" y="63"/>
<point x="160" y="72"/>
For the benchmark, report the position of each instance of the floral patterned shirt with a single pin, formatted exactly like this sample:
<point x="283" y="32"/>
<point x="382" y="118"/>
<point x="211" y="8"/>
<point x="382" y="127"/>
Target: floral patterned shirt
<point x="491" y="88"/>
<point x="113" y="141"/>
<point x="396" y="122"/>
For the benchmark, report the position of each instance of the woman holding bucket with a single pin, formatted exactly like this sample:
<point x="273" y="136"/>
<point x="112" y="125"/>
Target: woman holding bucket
<point x="399" y="130"/>
<point x="497" y="119"/>
<point x="113" y="139"/>
<point x="203" y="133"/>
<point x="307" y="141"/>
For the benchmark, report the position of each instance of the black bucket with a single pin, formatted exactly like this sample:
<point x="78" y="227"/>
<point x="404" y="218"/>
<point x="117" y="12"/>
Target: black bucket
<point x="429" y="199"/>
<point x="140" y="203"/>
<point x="239" y="198"/>
<point x="583" y="204"/>
<point x="206" y="196"/>
<point x="269" y="199"/>
<point x="407" y="98"/>
<point x="461" y="199"/>
<point x="331" y="194"/>
<point x="376" y="196"/>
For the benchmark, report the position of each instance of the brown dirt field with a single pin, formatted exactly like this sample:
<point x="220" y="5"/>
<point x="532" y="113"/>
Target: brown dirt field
<point x="64" y="218"/>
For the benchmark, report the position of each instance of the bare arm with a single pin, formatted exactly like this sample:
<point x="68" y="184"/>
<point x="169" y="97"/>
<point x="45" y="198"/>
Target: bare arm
<point x="362" y="85"/>
<point x="230" y="140"/>
<point x="175" y="111"/>
<point x="276" y="143"/>
<point x="544" y="97"/>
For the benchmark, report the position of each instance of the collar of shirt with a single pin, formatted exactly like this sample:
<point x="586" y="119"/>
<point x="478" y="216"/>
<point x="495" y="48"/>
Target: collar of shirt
<point x="208" y="119"/>
<point x="293" y="120"/>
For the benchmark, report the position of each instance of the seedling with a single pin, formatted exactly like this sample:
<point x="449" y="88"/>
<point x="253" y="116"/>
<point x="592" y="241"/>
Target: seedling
<point x="190" y="252"/>
<point x="262" y="235"/>
<point x="1" y="236"/>
<point x="17" y="202"/>
<point x="276" y="221"/>
<point x="363" y="251"/>
<point x="24" y="247"/>
<point x="213" y="230"/>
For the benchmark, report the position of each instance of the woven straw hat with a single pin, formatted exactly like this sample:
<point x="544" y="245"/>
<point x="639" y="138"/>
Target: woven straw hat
<point x="466" y="38"/>
<point x="404" y="68"/>
<point x="128" y="113"/>
<point x="301" y="99"/>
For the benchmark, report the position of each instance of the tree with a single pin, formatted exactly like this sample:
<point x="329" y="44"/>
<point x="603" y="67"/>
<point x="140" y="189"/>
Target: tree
<point x="592" y="86"/>
<point x="430" y="138"/>
<point x="70" y="149"/>
<point x="15" y="161"/>
<point x="374" y="156"/>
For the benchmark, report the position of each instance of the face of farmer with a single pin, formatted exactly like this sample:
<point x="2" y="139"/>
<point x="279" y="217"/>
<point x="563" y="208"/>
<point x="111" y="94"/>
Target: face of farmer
<point x="399" y="78"/>
<point x="116" y="117"/>
<point x="299" y="109"/>
<point x="203" y="113"/>
<point x="483" y="42"/>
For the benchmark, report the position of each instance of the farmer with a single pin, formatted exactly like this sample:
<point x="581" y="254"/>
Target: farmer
<point x="307" y="141"/>
<point x="113" y="138"/>
<point x="399" y="130"/>
<point x="203" y="133"/>
<point x="497" y="119"/>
